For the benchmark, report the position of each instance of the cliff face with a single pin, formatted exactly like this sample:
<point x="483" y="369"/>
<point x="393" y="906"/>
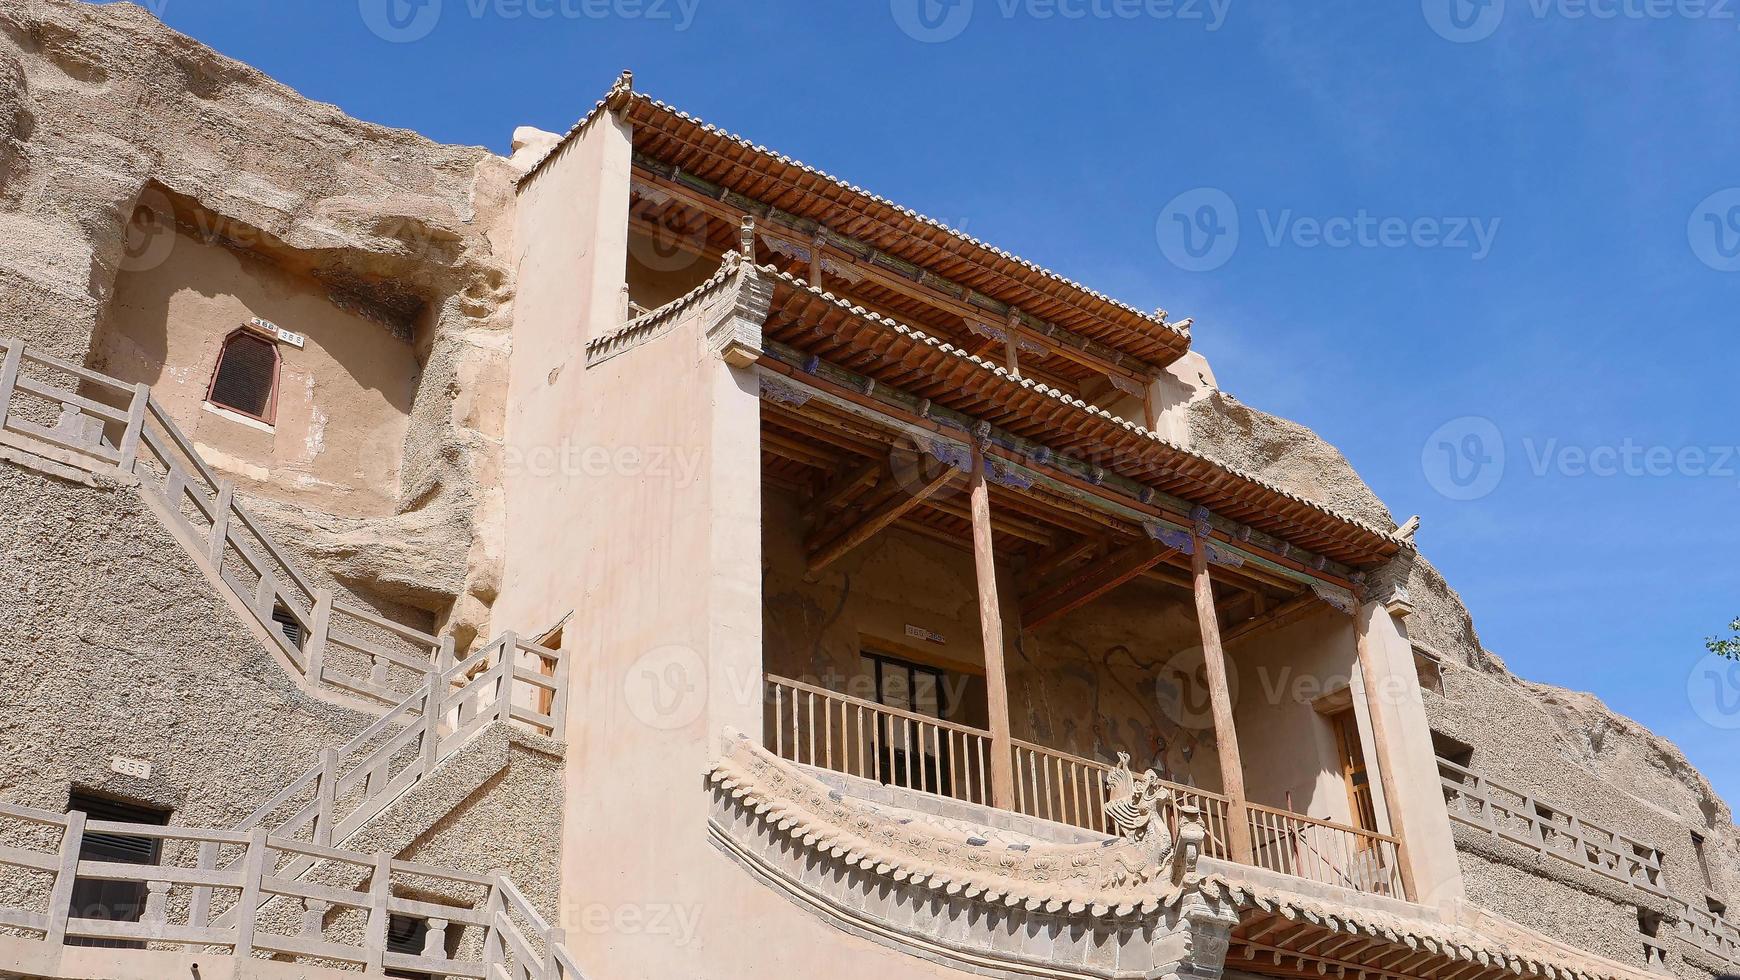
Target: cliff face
<point x="103" y="110"/>
<point x="1553" y="728"/>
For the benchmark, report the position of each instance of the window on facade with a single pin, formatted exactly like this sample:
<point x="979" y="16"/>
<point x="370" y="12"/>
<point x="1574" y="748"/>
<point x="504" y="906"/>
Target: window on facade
<point x="1453" y="750"/>
<point x="113" y="901"/>
<point x="911" y="754"/>
<point x="289" y="625"/>
<point x="246" y="377"/>
<point x="406" y="935"/>
<point x="1430" y="668"/>
<point x="1351" y="754"/>
<point x="1703" y="860"/>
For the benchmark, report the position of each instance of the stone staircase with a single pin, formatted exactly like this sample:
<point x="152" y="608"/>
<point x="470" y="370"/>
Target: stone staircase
<point x="441" y="713"/>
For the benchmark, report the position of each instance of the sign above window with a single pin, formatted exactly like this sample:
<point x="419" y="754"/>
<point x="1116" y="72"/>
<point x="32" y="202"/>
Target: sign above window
<point x="290" y="337"/>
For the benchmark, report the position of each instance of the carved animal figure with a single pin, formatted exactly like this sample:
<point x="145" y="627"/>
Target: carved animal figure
<point x="1133" y="806"/>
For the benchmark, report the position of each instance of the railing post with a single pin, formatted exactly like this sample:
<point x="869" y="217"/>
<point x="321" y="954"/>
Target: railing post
<point x="248" y="906"/>
<point x="220" y="522"/>
<point x="135" y="427"/>
<point x="552" y="966"/>
<point x="72" y="840"/>
<point x="9" y="376"/>
<point x="325" y="794"/>
<point x="432" y="724"/>
<point x="265" y="597"/>
<point x="559" y="703"/>
<point x="504" y="689"/>
<point x="317" y="633"/>
<point x="444" y="660"/>
<point x="494" y="945"/>
<point x="199" y="910"/>
<point x="380" y="886"/>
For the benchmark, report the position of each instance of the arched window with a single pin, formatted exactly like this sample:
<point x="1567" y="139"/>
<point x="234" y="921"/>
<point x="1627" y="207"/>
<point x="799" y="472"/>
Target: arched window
<point x="246" y="379"/>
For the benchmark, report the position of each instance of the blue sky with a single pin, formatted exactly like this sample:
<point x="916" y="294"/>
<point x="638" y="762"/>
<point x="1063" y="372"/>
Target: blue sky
<point x="1534" y="249"/>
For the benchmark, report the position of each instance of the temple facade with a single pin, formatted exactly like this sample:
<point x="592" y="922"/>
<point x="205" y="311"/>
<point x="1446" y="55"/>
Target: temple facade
<point x="648" y="556"/>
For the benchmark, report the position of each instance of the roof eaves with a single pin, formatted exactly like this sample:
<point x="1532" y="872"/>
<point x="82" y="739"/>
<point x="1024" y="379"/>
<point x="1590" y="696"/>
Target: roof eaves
<point x="622" y="93"/>
<point x="1003" y="374"/>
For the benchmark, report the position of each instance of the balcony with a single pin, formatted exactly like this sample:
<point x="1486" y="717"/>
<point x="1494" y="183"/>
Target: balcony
<point x="824" y="729"/>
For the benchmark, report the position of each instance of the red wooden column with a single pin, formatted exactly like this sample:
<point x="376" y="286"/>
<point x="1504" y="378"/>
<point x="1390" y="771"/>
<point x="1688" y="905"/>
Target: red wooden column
<point x="1226" y="739"/>
<point x="991" y="629"/>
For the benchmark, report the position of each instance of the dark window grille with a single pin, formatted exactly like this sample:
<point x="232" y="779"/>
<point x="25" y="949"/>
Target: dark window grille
<point x="407" y="935"/>
<point x="288" y="625"/>
<point x="246" y="379"/>
<point x="113" y="901"/>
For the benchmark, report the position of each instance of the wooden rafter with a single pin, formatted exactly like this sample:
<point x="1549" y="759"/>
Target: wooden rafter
<point x="911" y="290"/>
<point x="1060" y="556"/>
<point x="1285" y="614"/>
<point x="888" y="507"/>
<point x="840" y="492"/>
<point x="1088" y="584"/>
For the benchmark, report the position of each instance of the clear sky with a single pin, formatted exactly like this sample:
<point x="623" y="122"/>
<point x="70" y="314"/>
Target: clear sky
<point x="1488" y="248"/>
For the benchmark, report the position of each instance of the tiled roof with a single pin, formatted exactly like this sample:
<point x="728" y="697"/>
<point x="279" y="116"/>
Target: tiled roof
<point x="917" y="230"/>
<point x="1376" y="542"/>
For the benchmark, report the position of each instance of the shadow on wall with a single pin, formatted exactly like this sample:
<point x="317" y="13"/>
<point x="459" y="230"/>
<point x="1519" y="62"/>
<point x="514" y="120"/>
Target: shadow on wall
<point x="339" y="399"/>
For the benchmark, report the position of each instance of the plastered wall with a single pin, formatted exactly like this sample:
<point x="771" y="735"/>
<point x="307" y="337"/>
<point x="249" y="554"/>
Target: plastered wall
<point x="343" y="401"/>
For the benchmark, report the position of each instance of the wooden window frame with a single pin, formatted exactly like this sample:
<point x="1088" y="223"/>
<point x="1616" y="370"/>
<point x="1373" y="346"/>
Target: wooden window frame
<point x="271" y="416"/>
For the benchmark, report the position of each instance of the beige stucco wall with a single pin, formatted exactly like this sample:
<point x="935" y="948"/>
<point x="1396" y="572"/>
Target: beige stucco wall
<point x="1289" y="749"/>
<point x="667" y="570"/>
<point x="343" y="399"/>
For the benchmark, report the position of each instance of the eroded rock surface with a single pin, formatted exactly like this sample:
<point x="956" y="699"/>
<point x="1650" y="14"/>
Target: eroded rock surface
<point x="102" y="109"/>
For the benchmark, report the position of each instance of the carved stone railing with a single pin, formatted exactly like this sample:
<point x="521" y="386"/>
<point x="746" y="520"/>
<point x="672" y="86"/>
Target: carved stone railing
<point x="329" y="642"/>
<point x="829" y="730"/>
<point x="1517" y="816"/>
<point x="478" y="925"/>
<point x="1714" y="935"/>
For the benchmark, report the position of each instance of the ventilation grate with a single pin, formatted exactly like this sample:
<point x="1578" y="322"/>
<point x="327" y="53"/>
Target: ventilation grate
<point x="247" y="373"/>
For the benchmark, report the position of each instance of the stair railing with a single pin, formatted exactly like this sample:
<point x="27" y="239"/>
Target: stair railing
<point x="110" y="426"/>
<point x="271" y="912"/>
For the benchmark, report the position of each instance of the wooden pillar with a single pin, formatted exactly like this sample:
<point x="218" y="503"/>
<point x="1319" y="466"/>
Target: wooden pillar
<point x="1011" y="342"/>
<point x="991" y="628"/>
<point x="1371" y="679"/>
<point x="1226" y="739"/>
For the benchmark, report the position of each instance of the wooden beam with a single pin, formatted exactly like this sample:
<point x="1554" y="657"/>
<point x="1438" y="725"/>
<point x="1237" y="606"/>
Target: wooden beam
<point x="991" y="630"/>
<point x="906" y="287"/>
<point x="1226" y="739"/>
<point x="888" y="509"/>
<point x="1088" y="584"/>
<point x="843" y="487"/>
<point x="1058" y="557"/>
<point x="1285" y="614"/>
